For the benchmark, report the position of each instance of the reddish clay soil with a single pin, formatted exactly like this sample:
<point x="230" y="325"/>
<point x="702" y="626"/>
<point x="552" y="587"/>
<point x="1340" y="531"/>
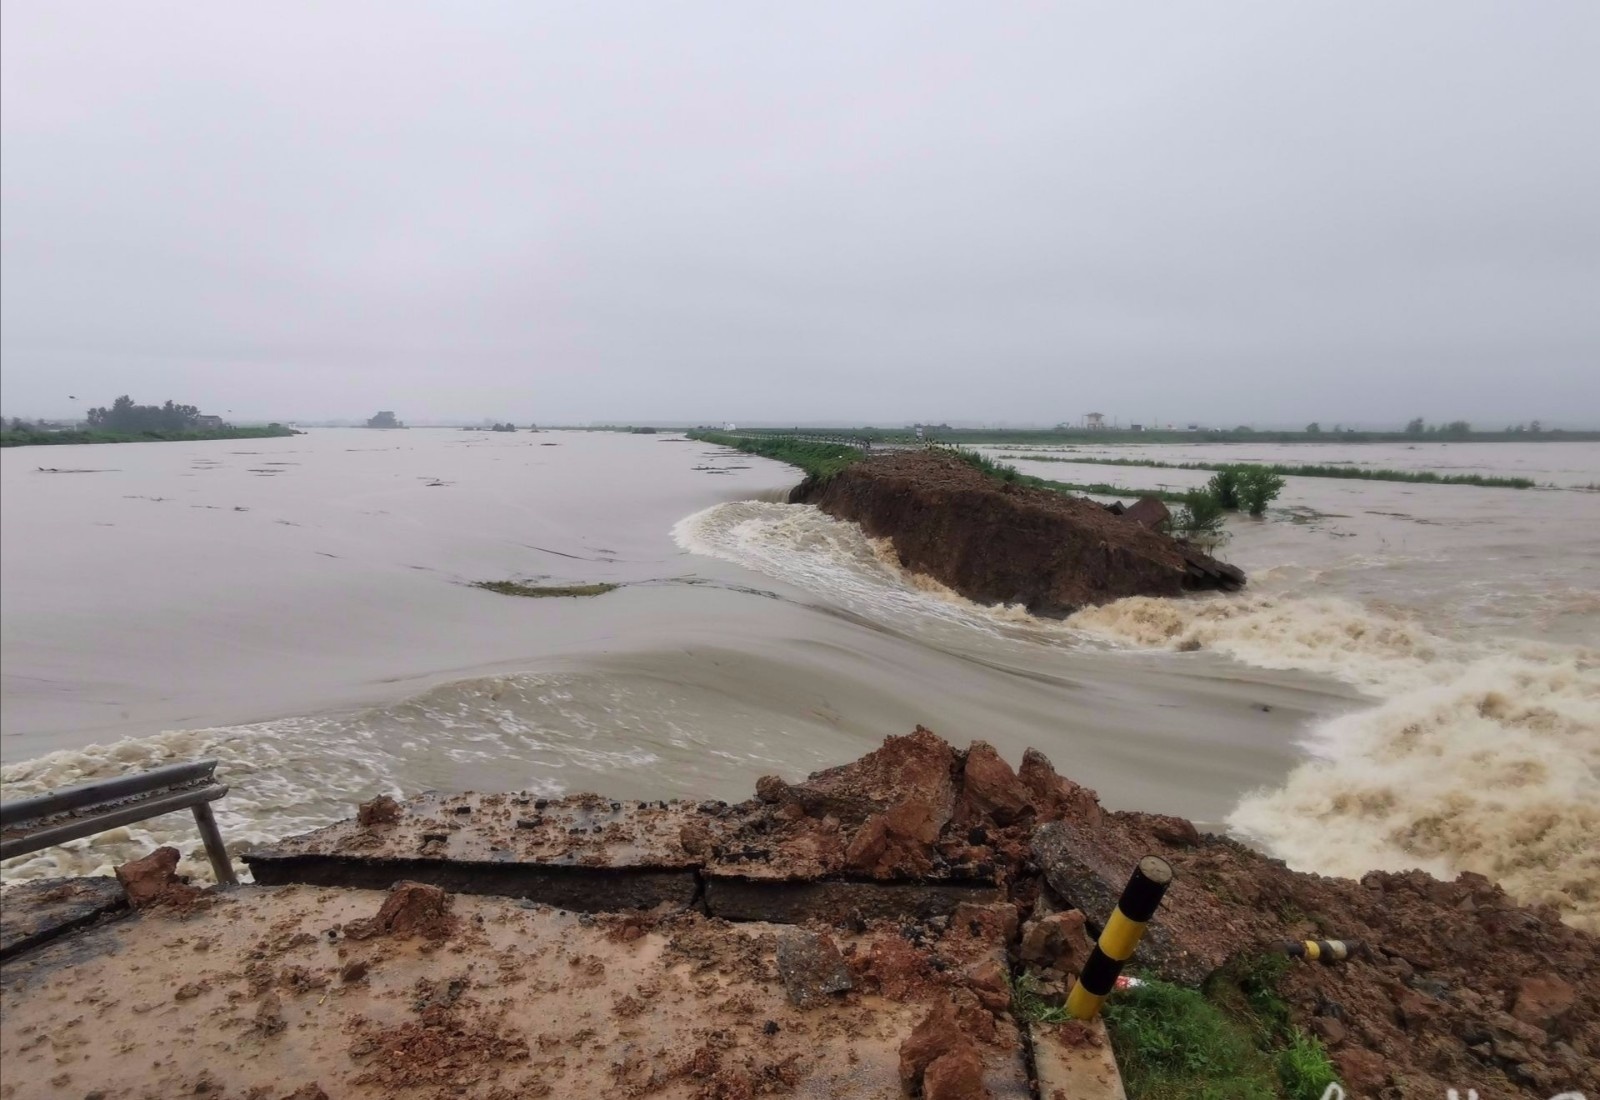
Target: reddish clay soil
<point x="1001" y="543"/>
<point x="1455" y="983"/>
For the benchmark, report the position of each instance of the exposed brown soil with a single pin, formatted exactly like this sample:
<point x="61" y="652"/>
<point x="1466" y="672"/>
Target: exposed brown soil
<point x="1002" y="543"/>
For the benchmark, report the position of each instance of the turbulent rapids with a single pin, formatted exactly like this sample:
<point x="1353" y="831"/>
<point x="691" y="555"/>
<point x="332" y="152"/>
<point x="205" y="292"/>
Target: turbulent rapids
<point x="1477" y="756"/>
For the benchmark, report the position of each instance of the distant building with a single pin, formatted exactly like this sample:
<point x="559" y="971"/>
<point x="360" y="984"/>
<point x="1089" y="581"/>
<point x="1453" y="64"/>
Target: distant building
<point x="208" y="422"/>
<point x="1136" y="427"/>
<point x="1094" y="421"/>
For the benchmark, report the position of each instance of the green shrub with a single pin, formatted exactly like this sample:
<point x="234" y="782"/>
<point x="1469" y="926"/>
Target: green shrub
<point x="1258" y="487"/>
<point x="1224" y="486"/>
<point x="1200" y="518"/>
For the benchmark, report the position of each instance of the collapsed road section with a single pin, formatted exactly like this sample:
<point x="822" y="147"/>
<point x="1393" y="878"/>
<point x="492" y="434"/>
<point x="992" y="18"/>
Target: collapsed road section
<point x="908" y="924"/>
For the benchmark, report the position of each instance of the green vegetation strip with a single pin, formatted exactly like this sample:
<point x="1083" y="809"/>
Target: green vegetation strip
<point x="1351" y="472"/>
<point x="1231" y="1041"/>
<point x="513" y="588"/>
<point x="820" y="460"/>
<point x="1112" y="437"/>
<point x="33" y="437"/>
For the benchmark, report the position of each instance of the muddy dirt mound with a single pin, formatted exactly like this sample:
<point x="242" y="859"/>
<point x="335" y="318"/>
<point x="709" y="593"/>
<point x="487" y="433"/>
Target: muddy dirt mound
<point x="411" y="909"/>
<point x="1002" y="543"/>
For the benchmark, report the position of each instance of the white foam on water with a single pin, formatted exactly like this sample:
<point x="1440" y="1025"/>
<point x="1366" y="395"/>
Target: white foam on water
<point x="1482" y="756"/>
<point x="833" y="559"/>
<point x="541" y="733"/>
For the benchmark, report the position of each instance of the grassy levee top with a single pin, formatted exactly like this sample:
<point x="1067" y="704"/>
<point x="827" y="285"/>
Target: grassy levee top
<point x="819" y="460"/>
<point x="822" y="460"/>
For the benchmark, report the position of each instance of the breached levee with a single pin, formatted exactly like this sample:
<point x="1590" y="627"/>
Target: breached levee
<point x="1001" y="543"/>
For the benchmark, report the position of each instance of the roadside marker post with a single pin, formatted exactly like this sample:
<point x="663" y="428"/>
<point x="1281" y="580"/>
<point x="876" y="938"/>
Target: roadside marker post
<point x="1120" y="937"/>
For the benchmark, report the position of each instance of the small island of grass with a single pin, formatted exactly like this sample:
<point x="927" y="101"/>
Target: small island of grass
<point x="515" y="588"/>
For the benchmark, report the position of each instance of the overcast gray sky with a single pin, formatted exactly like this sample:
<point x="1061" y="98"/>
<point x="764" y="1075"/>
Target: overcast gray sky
<point x="1233" y="212"/>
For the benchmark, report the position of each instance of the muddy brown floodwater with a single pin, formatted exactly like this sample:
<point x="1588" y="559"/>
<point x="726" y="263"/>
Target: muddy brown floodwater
<point x="301" y="608"/>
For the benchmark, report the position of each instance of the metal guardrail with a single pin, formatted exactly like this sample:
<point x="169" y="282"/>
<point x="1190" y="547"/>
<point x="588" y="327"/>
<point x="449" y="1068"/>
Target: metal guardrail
<point x="31" y="824"/>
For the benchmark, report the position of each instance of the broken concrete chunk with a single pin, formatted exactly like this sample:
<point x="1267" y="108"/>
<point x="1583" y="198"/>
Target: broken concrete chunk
<point x="697" y="840"/>
<point x="1057" y="941"/>
<point x="148" y="878"/>
<point x="1081" y="867"/>
<point x="1149" y="512"/>
<point x="811" y="967"/>
<point x="382" y="810"/>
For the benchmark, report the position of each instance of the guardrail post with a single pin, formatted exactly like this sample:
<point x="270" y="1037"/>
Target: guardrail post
<point x="1121" y="935"/>
<point x="216" y="851"/>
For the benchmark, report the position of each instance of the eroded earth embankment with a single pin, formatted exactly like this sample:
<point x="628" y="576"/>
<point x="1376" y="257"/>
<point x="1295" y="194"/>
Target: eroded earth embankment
<point x="999" y="542"/>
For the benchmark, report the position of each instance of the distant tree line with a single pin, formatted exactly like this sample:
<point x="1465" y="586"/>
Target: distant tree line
<point x="125" y="417"/>
<point x="1456" y="429"/>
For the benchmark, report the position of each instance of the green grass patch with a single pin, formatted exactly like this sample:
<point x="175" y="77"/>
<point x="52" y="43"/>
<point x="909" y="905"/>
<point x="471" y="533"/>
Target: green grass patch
<point x="1173" y="1044"/>
<point x="515" y="588"/>
<point x="1233" y="1040"/>
<point x="819" y="460"/>
<point x="1304" y="1069"/>
<point x="1354" y="473"/>
<point x="1027" y="1003"/>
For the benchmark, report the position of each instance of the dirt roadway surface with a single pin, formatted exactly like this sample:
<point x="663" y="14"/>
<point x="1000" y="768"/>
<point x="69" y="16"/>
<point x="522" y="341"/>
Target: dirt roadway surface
<point x="267" y="993"/>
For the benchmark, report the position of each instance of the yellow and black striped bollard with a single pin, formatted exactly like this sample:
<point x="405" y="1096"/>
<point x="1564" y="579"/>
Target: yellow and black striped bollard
<point x="1121" y="935"/>
<point x="1327" y="952"/>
